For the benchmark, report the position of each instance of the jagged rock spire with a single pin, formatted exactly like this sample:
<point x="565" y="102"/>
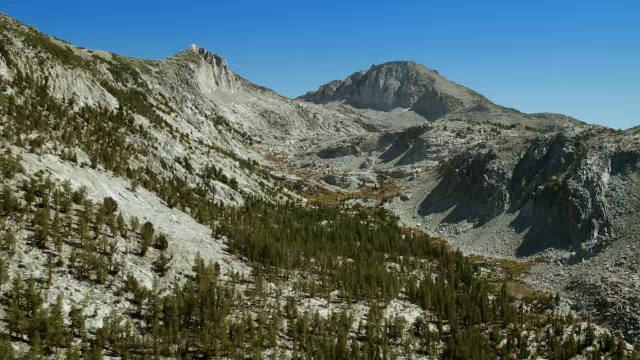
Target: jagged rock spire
<point x="215" y="74"/>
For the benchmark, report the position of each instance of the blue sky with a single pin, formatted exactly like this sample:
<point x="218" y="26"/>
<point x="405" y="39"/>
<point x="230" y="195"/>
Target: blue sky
<point x="580" y="58"/>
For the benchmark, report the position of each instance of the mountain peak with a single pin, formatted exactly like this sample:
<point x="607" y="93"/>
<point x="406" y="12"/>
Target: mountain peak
<point x="398" y="84"/>
<point x="396" y="63"/>
<point x="214" y="73"/>
<point x="208" y="56"/>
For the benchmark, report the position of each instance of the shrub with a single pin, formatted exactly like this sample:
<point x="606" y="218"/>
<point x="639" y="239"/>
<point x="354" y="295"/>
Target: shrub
<point x="162" y="242"/>
<point x="146" y="236"/>
<point x="110" y="205"/>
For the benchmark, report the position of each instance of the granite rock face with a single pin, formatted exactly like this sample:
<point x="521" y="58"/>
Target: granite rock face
<point x="211" y="72"/>
<point x="216" y="74"/>
<point x="557" y="188"/>
<point x="398" y="84"/>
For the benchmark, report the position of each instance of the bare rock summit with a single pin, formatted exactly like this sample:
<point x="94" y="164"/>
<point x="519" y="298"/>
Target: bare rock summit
<point x="398" y="84"/>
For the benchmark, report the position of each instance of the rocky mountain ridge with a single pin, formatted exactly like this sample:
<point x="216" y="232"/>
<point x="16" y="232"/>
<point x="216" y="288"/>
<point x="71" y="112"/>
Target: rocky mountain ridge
<point x="399" y="84"/>
<point x="173" y="140"/>
<point x="498" y="182"/>
<point x="218" y="74"/>
<point x="503" y="189"/>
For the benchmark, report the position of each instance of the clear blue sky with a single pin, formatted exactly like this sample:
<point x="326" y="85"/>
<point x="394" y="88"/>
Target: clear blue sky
<point x="580" y="58"/>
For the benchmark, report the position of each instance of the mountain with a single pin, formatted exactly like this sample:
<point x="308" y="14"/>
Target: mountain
<point x="172" y="208"/>
<point x="218" y="75"/>
<point x="497" y="182"/>
<point x="399" y="84"/>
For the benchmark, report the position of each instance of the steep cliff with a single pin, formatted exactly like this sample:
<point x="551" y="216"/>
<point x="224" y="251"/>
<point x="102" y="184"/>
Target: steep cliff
<point x="398" y="84"/>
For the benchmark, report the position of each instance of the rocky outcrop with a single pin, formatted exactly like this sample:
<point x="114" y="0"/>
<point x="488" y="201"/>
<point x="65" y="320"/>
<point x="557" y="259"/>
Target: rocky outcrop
<point x="351" y="182"/>
<point x="473" y="184"/>
<point x="557" y="188"/>
<point x="325" y="91"/>
<point x="339" y="150"/>
<point x="560" y="189"/>
<point x="398" y="84"/>
<point x="3" y="65"/>
<point x="215" y="74"/>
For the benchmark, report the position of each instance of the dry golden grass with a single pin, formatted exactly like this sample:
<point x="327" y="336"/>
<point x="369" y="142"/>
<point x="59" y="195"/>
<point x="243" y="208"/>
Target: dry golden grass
<point x="520" y="289"/>
<point x="382" y="193"/>
<point x="324" y="196"/>
<point x="517" y="268"/>
<point x="511" y="272"/>
<point x="512" y="269"/>
<point x="318" y="194"/>
<point x="503" y="270"/>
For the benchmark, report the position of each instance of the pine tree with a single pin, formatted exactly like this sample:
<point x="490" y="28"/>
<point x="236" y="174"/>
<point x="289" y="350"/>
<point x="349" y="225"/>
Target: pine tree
<point x="77" y="322"/>
<point x="122" y="226"/>
<point x="9" y="242"/>
<point x="146" y="237"/>
<point x="35" y="352"/>
<point x="43" y="224"/>
<point x="6" y="349"/>
<point x="16" y="319"/>
<point x="8" y="202"/>
<point x="4" y="271"/>
<point x="110" y="205"/>
<point x="162" y="264"/>
<point x="73" y="353"/>
<point x="161" y="242"/>
<point x="57" y="335"/>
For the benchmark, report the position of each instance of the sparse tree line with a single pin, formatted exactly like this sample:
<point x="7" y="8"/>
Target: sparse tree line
<point x="207" y="316"/>
<point x="363" y="255"/>
<point x="348" y="256"/>
<point x="60" y="216"/>
<point x="112" y="139"/>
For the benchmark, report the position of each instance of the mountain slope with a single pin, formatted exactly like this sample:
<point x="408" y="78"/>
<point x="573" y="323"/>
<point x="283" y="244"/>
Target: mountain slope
<point x="145" y="213"/>
<point x="496" y="182"/>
